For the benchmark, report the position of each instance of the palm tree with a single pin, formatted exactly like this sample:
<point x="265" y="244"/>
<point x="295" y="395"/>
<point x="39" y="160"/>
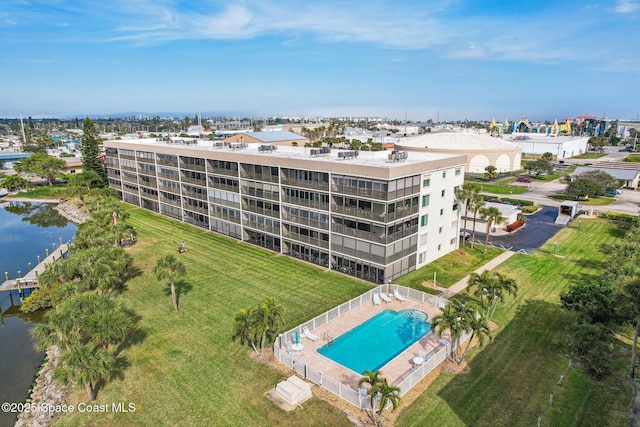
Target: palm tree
<point x="269" y="317"/>
<point x="479" y="327"/>
<point x="483" y="284"/>
<point x="170" y="269"/>
<point x="504" y="284"/>
<point x="492" y="215"/>
<point x="477" y="203"/>
<point x="456" y="318"/>
<point x="387" y="394"/>
<point x="243" y="327"/>
<point x="466" y="193"/>
<point x="85" y="365"/>
<point x="373" y="379"/>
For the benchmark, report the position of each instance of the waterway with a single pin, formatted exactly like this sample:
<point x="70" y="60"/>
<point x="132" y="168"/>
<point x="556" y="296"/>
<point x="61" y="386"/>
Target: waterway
<point x="26" y="231"/>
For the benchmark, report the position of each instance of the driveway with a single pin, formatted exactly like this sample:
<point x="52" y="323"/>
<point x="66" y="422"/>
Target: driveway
<point x="539" y="228"/>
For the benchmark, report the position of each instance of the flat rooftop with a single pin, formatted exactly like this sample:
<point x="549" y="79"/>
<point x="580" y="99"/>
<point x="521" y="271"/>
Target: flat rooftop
<point x="209" y="149"/>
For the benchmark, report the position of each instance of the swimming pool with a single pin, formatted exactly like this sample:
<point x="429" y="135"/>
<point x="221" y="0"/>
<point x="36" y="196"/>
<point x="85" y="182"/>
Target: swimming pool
<point x="374" y="343"/>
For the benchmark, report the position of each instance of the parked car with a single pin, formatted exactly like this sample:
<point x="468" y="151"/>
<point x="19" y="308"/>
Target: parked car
<point x="524" y="179"/>
<point x="494" y="201"/>
<point x="612" y="192"/>
<point x="465" y="234"/>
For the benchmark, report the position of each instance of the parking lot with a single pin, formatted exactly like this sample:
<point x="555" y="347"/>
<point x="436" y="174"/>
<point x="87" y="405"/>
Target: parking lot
<point x="539" y="228"/>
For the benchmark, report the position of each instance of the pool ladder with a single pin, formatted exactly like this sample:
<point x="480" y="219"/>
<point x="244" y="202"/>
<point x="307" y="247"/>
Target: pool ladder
<point x="328" y="338"/>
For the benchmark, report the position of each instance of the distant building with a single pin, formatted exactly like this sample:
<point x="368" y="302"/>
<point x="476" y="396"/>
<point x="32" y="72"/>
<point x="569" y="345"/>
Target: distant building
<point x="561" y="147"/>
<point x="278" y="138"/>
<point x="481" y="150"/>
<point x="628" y="175"/>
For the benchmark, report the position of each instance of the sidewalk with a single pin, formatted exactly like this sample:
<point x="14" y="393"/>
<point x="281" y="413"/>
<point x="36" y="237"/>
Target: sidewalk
<point x="462" y="284"/>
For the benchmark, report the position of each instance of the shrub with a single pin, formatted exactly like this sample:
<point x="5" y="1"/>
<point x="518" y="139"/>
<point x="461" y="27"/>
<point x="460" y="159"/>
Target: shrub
<point x="619" y="216"/>
<point x="529" y="209"/>
<point x="514" y="226"/>
<point x="520" y="202"/>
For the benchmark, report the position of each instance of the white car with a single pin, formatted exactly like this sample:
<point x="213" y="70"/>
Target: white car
<point x="465" y="234"/>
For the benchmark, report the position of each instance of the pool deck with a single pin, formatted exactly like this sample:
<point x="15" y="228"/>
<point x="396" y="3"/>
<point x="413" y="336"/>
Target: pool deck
<point x="394" y="371"/>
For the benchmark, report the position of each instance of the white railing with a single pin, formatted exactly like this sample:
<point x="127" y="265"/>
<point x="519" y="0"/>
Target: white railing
<point x="405" y="382"/>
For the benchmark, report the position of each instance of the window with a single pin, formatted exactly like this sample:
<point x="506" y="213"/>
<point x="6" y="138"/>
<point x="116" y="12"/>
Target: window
<point x="444" y="174"/>
<point x="441" y="211"/>
<point x="440" y="231"/>
<point x="424" y="220"/>
<point x="426" y="182"/>
<point x="442" y="193"/>
<point x="439" y="247"/>
<point x="422" y="257"/>
<point x="452" y="241"/>
<point x="457" y="172"/>
<point x="425" y="200"/>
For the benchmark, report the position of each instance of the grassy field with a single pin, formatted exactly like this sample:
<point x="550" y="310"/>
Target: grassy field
<point x="45" y="192"/>
<point x="508" y="383"/>
<point x="502" y="189"/>
<point x="450" y="268"/>
<point x="186" y="370"/>
<point x="632" y="158"/>
<point x="592" y="201"/>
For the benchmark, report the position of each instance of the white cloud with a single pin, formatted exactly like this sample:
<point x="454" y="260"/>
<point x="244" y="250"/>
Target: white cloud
<point x="626" y="6"/>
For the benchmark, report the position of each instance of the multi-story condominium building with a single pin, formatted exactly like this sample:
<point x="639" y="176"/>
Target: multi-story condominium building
<point x="374" y="215"/>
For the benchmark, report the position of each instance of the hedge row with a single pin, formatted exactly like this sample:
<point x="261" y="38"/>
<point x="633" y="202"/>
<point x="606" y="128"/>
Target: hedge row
<point x="529" y="209"/>
<point x="619" y="216"/>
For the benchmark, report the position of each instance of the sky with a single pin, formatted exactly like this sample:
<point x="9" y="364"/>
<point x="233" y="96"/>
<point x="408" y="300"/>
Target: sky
<point x="419" y="60"/>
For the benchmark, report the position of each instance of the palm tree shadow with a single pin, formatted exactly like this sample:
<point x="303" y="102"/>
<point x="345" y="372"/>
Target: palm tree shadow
<point x="121" y="365"/>
<point x="182" y="288"/>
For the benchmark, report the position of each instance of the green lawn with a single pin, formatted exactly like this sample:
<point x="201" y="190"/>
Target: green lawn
<point x="592" y="201"/>
<point x="502" y="189"/>
<point x="510" y="380"/>
<point x="450" y="268"/>
<point x="186" y="370"/>
<point x="45" y="192"/>
<point x="632" y="158"/>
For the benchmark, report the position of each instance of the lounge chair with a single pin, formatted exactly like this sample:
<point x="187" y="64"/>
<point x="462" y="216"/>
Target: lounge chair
<point x="385" y="297"/>
<point x="307" y="333"/>
<point x="398" y="296"/>
<point x="422" y="354"/>
<point x="376" y="298"/>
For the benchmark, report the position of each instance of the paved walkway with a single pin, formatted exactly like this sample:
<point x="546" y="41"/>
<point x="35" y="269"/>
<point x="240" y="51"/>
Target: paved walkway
<point x="462" y="284"/>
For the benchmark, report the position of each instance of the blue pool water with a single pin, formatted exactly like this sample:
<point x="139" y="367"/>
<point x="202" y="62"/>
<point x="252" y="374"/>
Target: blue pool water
<point x="375" y="342"/>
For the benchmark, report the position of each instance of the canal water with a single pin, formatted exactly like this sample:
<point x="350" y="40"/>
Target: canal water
<point x="26" y="231"/>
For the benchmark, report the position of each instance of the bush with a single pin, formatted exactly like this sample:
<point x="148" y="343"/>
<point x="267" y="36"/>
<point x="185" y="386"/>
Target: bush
<point x="514" y="226"/>
<point x="529" y="209"/>
<point x="520" y="202"/>
<point x="619" y="216"/>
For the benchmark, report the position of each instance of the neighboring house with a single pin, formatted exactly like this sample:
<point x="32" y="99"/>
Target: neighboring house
<point x="628" y="175"/>
<point x="74" y="164"/>
<point x="509" y="215"/>
<point x="284" y="138"/>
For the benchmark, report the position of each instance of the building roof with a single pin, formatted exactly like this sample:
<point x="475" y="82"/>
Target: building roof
<point x="621" y="174"/>
<point x="457" y="141"/>
<point x="283" y="135"/>
<point x="334" y="160"/>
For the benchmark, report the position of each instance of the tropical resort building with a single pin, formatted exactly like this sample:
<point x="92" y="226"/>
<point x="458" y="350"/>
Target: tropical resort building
<point x="373" y="215"/>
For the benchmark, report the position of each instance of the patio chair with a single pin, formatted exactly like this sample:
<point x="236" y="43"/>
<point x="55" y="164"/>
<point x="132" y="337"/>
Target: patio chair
<point x="290" y="349"/>
<point x="385" y="297"/>
<point x="376" y="298"/>
<point x="307" y="333"/>
<point x="398" y="296"/>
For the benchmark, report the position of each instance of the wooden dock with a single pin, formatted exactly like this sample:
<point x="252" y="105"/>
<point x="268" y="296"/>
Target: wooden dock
<point x="30" y="280"/>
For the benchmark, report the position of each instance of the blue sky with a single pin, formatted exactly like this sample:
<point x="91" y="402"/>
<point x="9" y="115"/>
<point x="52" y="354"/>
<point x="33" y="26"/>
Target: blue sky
<point x="471" y="59"/>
